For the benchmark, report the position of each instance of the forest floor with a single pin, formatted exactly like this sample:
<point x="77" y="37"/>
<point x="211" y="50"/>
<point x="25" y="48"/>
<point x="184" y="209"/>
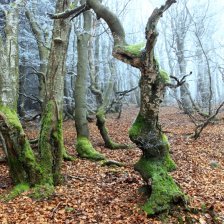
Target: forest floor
<point x="95" y="194"/>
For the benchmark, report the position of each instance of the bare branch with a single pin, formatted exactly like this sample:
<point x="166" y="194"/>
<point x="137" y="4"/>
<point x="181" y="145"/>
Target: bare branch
<point x="72" y="12"/>
<point x="150" y="30"/>
<point x="178" y="82"/>
<point x="200" y="127"/>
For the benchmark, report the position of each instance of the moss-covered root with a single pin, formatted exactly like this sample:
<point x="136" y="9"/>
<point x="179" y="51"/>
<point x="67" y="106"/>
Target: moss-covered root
<point x="16" y="191"/>
<point x="67" y="157"/>
<point x="113" y="145"/>
<point x="86" y="150"/>
<point x="20" y="157"/>
<point x="164" y="191"/>
<point x="40" y="192"/>
<point x="101" y="120"/>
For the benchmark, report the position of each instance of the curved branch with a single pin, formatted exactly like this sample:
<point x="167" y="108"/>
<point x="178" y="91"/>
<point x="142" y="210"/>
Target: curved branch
<point x="150" y="30"/>
<point x="111" y="19"/>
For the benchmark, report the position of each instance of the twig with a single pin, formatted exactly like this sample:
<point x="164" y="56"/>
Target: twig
<point x="55" y="209"/>
<point x="178" y="82"/>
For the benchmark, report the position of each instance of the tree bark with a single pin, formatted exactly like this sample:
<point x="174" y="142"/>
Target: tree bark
<point x="43" y="49"/>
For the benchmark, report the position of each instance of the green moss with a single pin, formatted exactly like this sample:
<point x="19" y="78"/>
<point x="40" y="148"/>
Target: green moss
<point x="46" y="159"/>
<point x="164" y="76"/>
<point x="12" y="117"/>
<point x="21" y="159"/>
<point x="164" y="191"/>
<point x="40" y="192"/>
<point x="136" y="127"/>
<point x="135" y="49"/>
<point x="30" y="164"/>
<point x="113" y="145"/>
<point x="16" y="191"/>
<point x="86" y="150"/>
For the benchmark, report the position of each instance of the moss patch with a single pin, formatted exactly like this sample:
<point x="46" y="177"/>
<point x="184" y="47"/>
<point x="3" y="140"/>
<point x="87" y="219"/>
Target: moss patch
<point x="16" y="191"/>
<point x="46" y="159"/>
<point x="40" y="192"/>
<point x="164" y="76"/>
<point x="12" y="117"/>
<point x="164" y="191"/>
<point x="136" y="127"/>
<point x="135" y="49"/>
<point x="86" y="150"/>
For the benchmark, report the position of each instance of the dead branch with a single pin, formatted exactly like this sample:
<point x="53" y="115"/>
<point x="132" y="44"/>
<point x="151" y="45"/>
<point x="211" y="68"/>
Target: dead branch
<point x="179" y="82"/>
<point x="200" y="127"/>
<point x="66" y="14"/>
<point x="118" y="100"/>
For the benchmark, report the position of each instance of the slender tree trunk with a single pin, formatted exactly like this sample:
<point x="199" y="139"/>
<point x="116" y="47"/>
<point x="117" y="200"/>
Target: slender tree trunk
<point x="51" y="144"/>
<point x="101" y="113"/>
<point x="42" y="44"/>
<point x="84" y="146"/>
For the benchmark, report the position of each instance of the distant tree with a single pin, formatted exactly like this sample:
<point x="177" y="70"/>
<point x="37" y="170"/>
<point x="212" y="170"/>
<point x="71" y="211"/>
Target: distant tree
<point x="43" y="44"/>
<point x="155" y="162"/>
<point x="103" y="98"/>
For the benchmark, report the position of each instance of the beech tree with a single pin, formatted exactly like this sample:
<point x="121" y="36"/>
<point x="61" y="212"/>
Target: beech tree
<point x="83" y="146"/>
<point x="145" y="132"/>
<point x="25" y="166"/>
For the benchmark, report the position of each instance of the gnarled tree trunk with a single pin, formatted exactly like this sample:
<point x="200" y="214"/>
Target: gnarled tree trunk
<point x="155" y="162"/>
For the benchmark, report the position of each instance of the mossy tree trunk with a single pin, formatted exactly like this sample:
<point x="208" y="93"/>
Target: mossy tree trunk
<point x="24" y="165"/>
<point x="20" y="157"/>
<point x="155" y="162"/>
<point x="51" y="144"/>
<point x="83" y="146"/>
<point x="101" y="112"/>
<point x="52" y="68"/>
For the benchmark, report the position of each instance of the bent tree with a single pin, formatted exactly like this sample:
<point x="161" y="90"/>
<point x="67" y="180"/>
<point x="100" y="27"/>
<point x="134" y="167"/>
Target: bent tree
<point x="146" y="133"/>
<point x="26" y="167"/>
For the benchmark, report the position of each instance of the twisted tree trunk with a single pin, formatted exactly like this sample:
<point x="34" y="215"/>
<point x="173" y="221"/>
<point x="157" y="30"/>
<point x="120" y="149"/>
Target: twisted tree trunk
<point x="155" y="162"/>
